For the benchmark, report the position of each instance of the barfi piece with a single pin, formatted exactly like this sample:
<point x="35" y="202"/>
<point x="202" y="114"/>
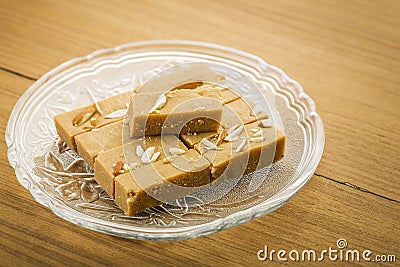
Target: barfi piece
<point x="145" y="187"/>
<point x="90" y="144"/>
<point x="105" y="166"/>
<point x="80" y="120"/>
<point x="173" y="112"/>
<point x="251" y="148"/>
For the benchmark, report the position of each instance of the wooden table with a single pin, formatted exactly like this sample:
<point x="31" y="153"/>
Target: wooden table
<point x="346" y="54"/>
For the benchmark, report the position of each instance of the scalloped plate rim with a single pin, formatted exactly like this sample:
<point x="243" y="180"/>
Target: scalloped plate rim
<point x="185" y="232"/>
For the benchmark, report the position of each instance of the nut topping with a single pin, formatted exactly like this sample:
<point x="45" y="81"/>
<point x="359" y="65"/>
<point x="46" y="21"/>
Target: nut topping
<point x="231" y="139"/>
<point x="207" y="143"/>
<point x="148" y="154"/>
<point x="83" y="116"/>
<point x="241" y="145"/>
<point x="222" y="136"/>
<point x="176" y="151"/>
<point x="155" y="156"/>
<point x="160" y="102"/>
<point x="234" y="135"/>
<point x="264" y="124"/>
<point x="93" y="121"/>
<point x="234" y="127"/>
<point x="258" y="133"/>
<point x="96" y="105"/>
<point x="139" y="151"/>
<point x="117" y="167"/>
<point x="132" y="165"/>
<point x="257" y="139"/>
<point x="256" y="110"/>
<point x="126" y="167"/>
<point x="116" y="114"/>
<point x="88" y="128"/>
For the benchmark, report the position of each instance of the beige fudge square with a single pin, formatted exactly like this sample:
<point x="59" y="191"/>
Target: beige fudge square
<point x="254" y="148"/>
<point x="64" y="122"/>
<point x="105" y="161"/>
<point x="182" y="111"/>
<point x="90" y="144"/>
<point x="133" y="198"/>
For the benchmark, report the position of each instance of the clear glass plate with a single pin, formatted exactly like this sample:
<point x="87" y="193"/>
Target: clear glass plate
<point x="59" y="179"/>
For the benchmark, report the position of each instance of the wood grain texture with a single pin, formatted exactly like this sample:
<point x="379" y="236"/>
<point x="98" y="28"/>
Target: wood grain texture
<point x="339" y="53"/>
<point x="346" y="54"/>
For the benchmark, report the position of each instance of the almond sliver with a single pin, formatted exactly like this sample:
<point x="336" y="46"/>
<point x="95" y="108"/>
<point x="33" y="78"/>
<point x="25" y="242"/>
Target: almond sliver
<point x="234" y="133"/>
<point x="256" y="110"/>
<point x="160" y="102"/>
<point x="257" y="139"/>
<point x="221" y="136"/>
<point x="241" y="145"/>
<point x="139" y="151"/>
<point x="155" y="156"/>
<point x="96" y="105"/>
<point x="234" y="127"/>
<point x="207" y="143"/>
<point x="147" y="154"/>
<point x="117" y="114"/>
<point x="117" y="168"/>
<point x="133" y="165"/>
<point x="231" y="139"/>
<point x="83" y="116"/>
<point x="264" y="124"/>
<point x="176" y="151"/>
<point x="258" y="133"/>
<point x="126" y="167"/>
